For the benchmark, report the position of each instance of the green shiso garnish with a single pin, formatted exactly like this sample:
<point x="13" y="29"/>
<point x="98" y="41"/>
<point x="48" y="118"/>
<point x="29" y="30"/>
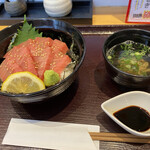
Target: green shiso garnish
<point x="24" y="33"/>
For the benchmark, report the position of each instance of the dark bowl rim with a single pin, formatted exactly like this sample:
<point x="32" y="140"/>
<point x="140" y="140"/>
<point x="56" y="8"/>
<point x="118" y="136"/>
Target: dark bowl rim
<point x="61" y="82"/>
<point x="104" y="52"/>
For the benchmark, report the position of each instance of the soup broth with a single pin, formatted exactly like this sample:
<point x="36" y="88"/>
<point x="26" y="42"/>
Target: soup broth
<point x="130" y="57"/>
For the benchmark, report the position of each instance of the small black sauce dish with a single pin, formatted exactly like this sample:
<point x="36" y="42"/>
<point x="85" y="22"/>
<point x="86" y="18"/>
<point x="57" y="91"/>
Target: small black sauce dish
<point x="120" y="77"/>
<point x="55" y="29"/>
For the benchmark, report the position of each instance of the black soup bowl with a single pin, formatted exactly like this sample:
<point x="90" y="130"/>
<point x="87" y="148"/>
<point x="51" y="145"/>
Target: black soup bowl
<point x="120" y="77"/>
<point x="55" y="29"/>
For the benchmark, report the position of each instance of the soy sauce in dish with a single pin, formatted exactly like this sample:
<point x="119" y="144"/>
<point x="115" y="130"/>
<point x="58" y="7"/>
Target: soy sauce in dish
<point x="134" y="117"/>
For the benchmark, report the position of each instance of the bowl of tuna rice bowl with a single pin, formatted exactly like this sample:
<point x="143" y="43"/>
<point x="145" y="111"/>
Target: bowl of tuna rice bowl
<point x="39" y="59"/>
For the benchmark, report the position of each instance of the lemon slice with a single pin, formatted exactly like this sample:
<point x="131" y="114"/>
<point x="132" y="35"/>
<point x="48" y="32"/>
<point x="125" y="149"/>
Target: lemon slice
<point x="22" y="82"/>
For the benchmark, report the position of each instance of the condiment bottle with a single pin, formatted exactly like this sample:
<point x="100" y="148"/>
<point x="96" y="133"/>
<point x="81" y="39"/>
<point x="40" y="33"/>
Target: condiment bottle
<point x="15" y="7"/>
<point x="57" y="8"/>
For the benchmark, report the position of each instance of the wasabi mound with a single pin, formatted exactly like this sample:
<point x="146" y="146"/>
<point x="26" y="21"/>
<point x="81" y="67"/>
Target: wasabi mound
<point x="51" y="78"/>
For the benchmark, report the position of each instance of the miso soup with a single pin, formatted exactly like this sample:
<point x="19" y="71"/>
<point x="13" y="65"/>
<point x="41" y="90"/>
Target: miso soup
<point x="130" y="57"/>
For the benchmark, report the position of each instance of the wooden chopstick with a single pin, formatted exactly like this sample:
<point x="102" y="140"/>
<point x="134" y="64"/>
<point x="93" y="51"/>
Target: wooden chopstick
<point x="118" y="137"/>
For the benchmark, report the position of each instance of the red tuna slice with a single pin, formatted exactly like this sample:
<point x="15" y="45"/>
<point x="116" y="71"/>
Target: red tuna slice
<point x="43" y="61"/>
<point x="15" y="49"/>
<point x="41" y="53"/>
<point x="60" y="63"/>
<point x="8" y="67"/>
<point x="42" y="42"/>
<point x="23" y="58"/>
<point x="59" y="46"/>
<point x="11" y="52"/>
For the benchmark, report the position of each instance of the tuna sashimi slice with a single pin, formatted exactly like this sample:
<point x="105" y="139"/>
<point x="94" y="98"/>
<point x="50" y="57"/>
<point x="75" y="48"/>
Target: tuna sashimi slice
<point x="38" y="43"/>
<point x="15" y="50"/>
<point x="8" y="67"/>
<point x="11" y="52"/>
<point x="59" y="64"/>
<point x="59" y="46"/>
<point x="41" y="53"/>
<point x="43" y="61"/>
<point x="43" y="42"/>
<point x="23" y="58"/>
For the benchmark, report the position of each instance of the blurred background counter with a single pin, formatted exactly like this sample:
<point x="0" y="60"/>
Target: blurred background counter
<point x="101" y="13"/>
<point x="105" y="16"/>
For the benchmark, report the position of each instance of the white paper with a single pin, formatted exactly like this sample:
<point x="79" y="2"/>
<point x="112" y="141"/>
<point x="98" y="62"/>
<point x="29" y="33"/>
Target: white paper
<point x="50" y="135"/>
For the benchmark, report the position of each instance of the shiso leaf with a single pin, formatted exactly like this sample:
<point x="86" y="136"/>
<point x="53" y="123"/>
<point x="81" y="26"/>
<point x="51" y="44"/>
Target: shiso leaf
<point x="24" y="33"/>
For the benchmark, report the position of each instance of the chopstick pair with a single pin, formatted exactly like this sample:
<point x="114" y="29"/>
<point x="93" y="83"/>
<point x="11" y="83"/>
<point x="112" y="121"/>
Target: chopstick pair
<point x="118" y="137"/>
